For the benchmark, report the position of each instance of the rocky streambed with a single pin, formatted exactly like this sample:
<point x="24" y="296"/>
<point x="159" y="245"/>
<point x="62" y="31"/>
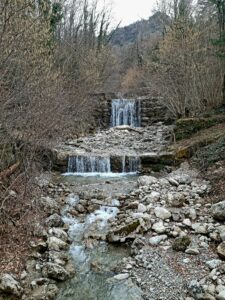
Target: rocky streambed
<point x="149" y="237"/>
<point x="149" y="144"/>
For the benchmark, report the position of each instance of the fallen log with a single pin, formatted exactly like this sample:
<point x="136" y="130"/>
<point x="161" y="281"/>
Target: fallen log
<point x="8" y="172"/>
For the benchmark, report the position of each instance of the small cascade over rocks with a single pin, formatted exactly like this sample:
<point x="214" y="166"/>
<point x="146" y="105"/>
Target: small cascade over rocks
<point x="130" y="164"/>
<point x="89" y="164"/>
<point x="125" y="112"/>
<point x="96" y="165"/>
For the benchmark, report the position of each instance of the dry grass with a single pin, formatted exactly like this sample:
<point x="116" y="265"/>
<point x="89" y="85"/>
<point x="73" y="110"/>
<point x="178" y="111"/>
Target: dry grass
<point x="18" y="216"/>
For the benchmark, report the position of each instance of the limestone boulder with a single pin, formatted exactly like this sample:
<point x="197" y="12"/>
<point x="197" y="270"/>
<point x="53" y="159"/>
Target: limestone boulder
<point x="54" y="221"/>
<point x="218" y="211"/>
<point x="59" y="233"/>
<point x="147" y="180"/>
<point x="54" y="271"/>
<point x="56" y="244"/>
<point x="162" y="213"/>
<point x="9" y="285"/>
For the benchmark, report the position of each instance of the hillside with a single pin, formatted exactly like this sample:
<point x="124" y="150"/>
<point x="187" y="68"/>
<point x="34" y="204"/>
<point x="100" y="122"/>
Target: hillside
<point x="144" y="28"/>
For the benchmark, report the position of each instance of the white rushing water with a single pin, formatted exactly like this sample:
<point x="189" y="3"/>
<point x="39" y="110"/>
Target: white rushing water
<point x="125" y="112"/>
<point x="130" y="164"/>
<point x="91" y="166"/>
<point x="90" y="283"/>
<point x="88" y="164"/>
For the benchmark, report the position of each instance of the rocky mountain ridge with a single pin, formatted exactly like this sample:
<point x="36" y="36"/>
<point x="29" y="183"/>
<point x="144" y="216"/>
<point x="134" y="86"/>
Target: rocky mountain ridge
<point x="140" y="29"/>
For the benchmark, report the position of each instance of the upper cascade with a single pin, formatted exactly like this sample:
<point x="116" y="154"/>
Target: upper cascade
<point x="125" y="112"/>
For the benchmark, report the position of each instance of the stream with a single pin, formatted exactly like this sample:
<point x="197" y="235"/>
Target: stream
<point x="96" y="261"/>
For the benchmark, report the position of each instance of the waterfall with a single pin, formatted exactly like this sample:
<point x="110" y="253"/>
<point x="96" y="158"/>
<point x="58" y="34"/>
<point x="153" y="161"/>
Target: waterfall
<point x="125" y="112"/>
<point x="130" y="164"/>
<point x="95" y="165"/>
<point x="88" y="164"/>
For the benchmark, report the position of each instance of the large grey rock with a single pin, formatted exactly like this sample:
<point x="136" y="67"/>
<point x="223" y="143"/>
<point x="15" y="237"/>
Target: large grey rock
<point x="116" y="234"/>
<point x="56" y="244"/>
<point x="183" y="178"/>
<point x="54" y="271"/>
<point x="214" y="263"/>
<point x="9" y="285"/>
<point x="147" y="180"/>
<point x="162" y="213"/>
<point x="200" y="228"/>
<point x="221" y="296"/>
<point x="175" y="199"/>
<point x="54" y="221"/>
<point x="218" y="211"/>
<point x="153" y="197"/>
<point x="221" y="250"/>
<point x="159" y="227"/>
<point x="59" y="233"/>
<point x="142" y="208"/>
<point x="155" y="240"/>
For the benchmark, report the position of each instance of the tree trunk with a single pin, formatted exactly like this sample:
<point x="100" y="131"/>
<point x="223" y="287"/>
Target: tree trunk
<point x="224" y="89"/>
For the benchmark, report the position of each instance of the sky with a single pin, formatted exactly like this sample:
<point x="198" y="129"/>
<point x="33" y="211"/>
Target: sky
<point x="129" y="11"/>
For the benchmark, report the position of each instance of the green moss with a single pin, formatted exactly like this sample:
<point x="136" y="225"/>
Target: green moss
<point x="127" y="229"/>
<point x="158" y="167"/>
<point x="187" y="127"/>
<point x="181" y="243"/>
<point x="210" y="154"/>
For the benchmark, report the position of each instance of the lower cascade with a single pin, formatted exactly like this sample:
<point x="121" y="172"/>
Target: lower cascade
<point x="125" y="112"/>
<point x="95" y="165"/>
<point x="89" y="164"/>
<point x="130" y="164"/>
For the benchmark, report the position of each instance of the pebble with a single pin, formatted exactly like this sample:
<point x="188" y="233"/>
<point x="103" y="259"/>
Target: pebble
<point x="122" y="276"/>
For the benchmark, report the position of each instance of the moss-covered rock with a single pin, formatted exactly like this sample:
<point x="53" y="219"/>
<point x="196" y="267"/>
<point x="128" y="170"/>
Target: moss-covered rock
<point x="183" y="153"/>
<point x="123" y="231"/>
<point x="181" y="243"/>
